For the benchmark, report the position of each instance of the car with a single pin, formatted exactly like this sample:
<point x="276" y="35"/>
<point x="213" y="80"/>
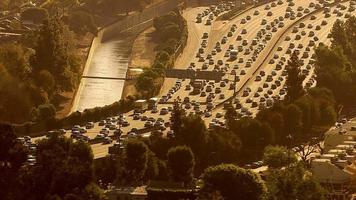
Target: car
<point x="256" y="12"/>
<point x="244" y="31"/>
<point x="221" y="96"/>
<point x="242" y="72"/>
<point x="102" y="122"/>
<point x="263" y="22"/>
<point x="243" y="21"/>
<point x="205" y="35"/>
<point x="239" y="38"/>
<point x="163" y="111"/>
<point x="208" y="22"/>
<point x="269" y="13"/>
<point x="229" y="34"/>
<point x="207" y="114"/>
<point x="154" y="110"/>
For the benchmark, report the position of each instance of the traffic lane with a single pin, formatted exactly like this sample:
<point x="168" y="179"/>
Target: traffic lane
<point x="322" y="34"/>
<point x="195" y="32"/>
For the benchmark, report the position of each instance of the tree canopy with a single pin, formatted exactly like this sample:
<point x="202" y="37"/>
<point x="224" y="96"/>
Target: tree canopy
<point x="233" y="183"/>
<point x="181" y="164"/>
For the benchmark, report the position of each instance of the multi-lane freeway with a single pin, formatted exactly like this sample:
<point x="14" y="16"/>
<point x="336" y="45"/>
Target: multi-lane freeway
<point x="261" y="38"/>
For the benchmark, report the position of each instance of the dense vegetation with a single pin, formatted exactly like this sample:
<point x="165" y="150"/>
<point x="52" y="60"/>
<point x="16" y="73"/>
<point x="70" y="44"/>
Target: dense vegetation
<point x="335" y="65"/>
<point x="171" y="35"/>
<point x="63" y="169"/>
<point x="32" y="77"/>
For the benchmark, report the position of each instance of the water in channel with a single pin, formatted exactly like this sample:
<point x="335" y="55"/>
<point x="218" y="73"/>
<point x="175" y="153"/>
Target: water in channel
<point x="110" y="59"/>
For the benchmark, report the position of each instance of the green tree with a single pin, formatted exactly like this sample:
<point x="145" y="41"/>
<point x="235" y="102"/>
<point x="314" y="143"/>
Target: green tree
<point x="136" y="160"/>
<point x="230" y="115"/>
<point x="254" y="136"/>
<point x="14" y="57"/>
<point x="223" y="146"/>
<point x="46" y="80"/>
<point x="193" y="134"/>
<point x="81" y="22"/>
<point x="177" y="116"/>
<point x="181" y="164"/>
<point x="295" y="79"/>
<point x="233" y="183"/>
<point x="293" y="119"/>
<point x="152" y="167"/>
<point x="52" y="52"/>
<point x="278" y="156"/>
<point x="293" y="183"/>
<point x="338" y="34"/>
<point x="45" y="112"/>
<point x="328" y="115"/>
<point x="62" y="167"/>
<point x="12" y="156"/>
<point x="105" y="169"/>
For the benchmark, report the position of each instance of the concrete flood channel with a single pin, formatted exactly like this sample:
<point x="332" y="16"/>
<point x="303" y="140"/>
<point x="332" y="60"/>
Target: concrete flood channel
<point x="103" y="77"/>
<point x="109" y="60"/>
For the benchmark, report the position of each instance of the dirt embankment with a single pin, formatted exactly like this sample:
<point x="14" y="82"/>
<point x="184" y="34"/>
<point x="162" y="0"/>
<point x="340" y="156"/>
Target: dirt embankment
<point x="142" y="56"/>
<point x="143" y="53"/>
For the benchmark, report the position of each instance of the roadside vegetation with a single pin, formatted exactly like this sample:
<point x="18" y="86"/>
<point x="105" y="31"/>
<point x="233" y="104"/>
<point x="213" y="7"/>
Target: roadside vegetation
<point x="171" y="36"/>
<point x="32" y="77"/>
<point x="335" y="65"/>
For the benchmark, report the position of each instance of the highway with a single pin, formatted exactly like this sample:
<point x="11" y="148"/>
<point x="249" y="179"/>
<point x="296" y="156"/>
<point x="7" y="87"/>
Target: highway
<point x="261" y="75"/>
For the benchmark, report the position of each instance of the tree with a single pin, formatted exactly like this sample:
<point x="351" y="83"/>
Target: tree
<point x="230" y="115"/>
<point x="105" y="169"/>
<point x="136" y="160"/>
<point x="152" y="167"/>
<point x="278" y="156"/>
<point x="328" y="115"/>
<point x="338" y="34"/>
<point x="12" y="156"/>
<point x="177" y="117"/>
<point x="223" y="146"/>
<point x="254" y="136"/>
<point x="193" y="134"/>
<point x="293" y="119"/>
<point x="181" y="164"/>
<point x="233" y="183"/>
<point x="52" y="52"/>
<point x="62" y="167"/>
<point x="293" y="183"/>
<point x="45" y="112"/>
<point x="82" y="22"/>
<point x="46" y="81"/>
<point x="295" y="79"/>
